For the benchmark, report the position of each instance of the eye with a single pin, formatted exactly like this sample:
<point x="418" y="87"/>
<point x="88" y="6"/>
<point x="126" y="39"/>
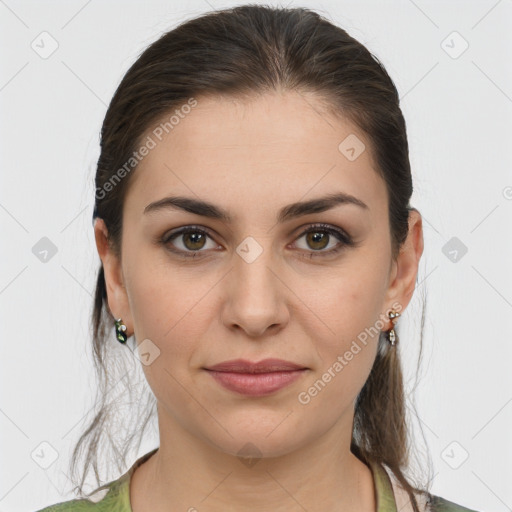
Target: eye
<point x="194" y="239"/>
<point x="319" y="236"/>
<point x="191" y="238"/>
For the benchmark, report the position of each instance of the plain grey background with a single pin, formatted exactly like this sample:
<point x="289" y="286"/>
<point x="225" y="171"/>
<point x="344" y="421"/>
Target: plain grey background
<point x="61" y="62"/>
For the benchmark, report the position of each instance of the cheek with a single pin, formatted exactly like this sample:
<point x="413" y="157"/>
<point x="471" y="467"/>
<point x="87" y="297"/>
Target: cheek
<point x="351" y="304"/>
<point x="165" y="301"/>
<point x="363" y="290"/>
<point x="172" y="311"/>
<point x="345" y="358"/>
<point x="351" y="300"/>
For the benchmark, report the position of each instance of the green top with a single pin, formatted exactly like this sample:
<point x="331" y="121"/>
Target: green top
<point x="115" y="496"/>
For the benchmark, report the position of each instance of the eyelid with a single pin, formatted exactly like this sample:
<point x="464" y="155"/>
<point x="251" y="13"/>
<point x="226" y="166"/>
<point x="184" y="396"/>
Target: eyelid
<point x="189" y="228"/>
<point x="344" y="239"/>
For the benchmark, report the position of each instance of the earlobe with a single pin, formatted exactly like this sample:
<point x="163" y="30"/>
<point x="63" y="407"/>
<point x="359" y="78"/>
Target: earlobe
<point x="116" y="291"/>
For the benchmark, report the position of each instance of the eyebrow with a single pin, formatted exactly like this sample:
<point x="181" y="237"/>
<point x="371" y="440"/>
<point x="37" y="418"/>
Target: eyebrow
<point x="291" y="211"/>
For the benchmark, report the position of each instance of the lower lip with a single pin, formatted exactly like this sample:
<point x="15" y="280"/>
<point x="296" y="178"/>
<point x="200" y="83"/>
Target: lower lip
<point x="256" y="384"/>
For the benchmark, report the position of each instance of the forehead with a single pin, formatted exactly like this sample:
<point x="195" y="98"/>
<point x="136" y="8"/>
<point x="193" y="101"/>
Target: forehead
<point x="252" y="154"/>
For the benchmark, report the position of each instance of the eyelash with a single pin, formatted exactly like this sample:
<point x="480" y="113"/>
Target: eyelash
<point x="345" y="240"/>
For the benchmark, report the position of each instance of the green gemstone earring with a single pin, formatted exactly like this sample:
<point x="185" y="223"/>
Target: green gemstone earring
<point x="391" y="334"/>
<point x="120" y="331"/>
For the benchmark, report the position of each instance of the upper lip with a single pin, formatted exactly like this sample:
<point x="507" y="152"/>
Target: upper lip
<point x="263" y="366"/>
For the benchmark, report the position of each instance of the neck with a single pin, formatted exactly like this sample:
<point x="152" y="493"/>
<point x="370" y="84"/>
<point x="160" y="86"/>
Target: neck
<point x="195" y="476"/>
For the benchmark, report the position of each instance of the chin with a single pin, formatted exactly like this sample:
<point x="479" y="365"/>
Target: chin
<point x="253" y="439"/>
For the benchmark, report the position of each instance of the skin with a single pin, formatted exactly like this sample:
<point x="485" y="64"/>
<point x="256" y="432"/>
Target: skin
<point x="252" y="157"/>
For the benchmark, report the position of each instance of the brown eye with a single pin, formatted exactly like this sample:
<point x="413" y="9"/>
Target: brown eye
<point x="317" y="239"/>
<point x="188" y="242"/>
<point x="194" y="241"/>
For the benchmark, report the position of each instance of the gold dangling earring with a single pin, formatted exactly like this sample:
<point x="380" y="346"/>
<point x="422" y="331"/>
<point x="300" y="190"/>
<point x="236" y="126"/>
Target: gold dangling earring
<point x="391" y="334"/>
<point x="120" y="331"/>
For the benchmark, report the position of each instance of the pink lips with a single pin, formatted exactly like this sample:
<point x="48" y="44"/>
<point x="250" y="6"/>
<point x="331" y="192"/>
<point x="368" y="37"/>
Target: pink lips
<point x="256" y="379"/>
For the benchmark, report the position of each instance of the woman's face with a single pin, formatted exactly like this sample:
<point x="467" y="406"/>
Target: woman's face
<point x="264" y="284"/>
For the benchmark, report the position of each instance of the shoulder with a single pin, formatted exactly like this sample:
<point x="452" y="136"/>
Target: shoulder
<point x="112" y="497"/>
<point x="426" y="501"/>
<point x="438" y="504"/>
<point x="71" y="506"/>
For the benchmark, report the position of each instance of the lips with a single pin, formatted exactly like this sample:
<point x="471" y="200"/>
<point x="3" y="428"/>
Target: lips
<point x="256" y="378"/>
<point x="264" y="366"/>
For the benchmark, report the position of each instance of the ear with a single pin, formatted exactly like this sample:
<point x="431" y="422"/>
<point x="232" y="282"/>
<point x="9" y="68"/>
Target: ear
<point x="116" y="291"/>
<point x="405" y="268"/>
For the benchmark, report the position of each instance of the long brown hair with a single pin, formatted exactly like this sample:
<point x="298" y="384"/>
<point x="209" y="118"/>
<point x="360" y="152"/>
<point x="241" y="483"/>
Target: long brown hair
<point x="241" y="51"/>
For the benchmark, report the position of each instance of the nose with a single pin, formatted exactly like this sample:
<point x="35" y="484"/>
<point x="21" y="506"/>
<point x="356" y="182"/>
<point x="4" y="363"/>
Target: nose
<point x="255" y="298"/>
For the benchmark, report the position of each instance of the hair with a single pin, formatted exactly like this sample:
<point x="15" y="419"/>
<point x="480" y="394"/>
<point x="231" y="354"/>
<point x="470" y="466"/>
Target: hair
<point x="242" y="52"/>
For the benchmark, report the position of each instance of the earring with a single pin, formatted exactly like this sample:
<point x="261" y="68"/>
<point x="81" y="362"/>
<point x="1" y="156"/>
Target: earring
<point x="120" y="331"/>
<point x="391" y="334"/>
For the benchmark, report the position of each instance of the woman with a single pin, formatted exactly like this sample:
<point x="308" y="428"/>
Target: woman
<point x="256" y="239"/>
